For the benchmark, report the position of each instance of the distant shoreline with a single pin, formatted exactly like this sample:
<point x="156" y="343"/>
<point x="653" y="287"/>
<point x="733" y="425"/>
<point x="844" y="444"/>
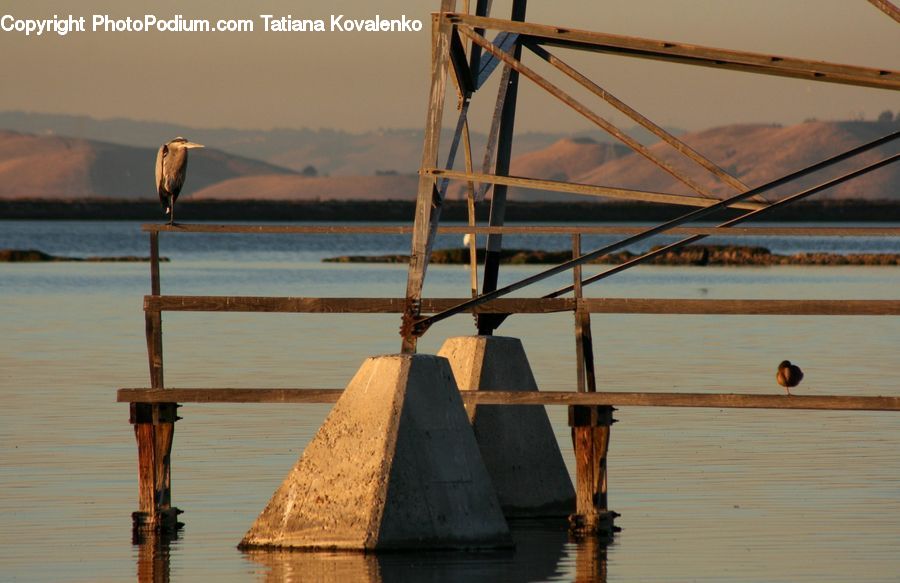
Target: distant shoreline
<point x="403" y="211"/>
<point x="38" y="256"/>
<point x="692" y="255"/>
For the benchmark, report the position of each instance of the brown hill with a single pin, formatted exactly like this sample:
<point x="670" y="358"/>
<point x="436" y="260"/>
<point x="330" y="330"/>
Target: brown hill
<point x="566" y="159"/>
<point x="757" y="154"/>
<point x="295" y="187"/>
<point x="562" y="160"/>
<point x="58" y="167"/>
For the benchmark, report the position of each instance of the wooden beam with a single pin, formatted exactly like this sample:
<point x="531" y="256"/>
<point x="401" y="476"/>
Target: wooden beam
<point x="428" y="200"/>
<point x="743" y="307"/>
<point x="526" y="229"/>
<point x="154" y="426"/>
<point x="691" y="54"/>
<point x="887" y="7"/>
<point x="207" y="395"/>
<point x="586" y="189"/>
<point x="590" y="442"/>
<point x="298" y="305"/>
<point x="278" y="229"/>
<point x="154" y="263"/>
<point x="623" y="399"/>
<point x="344" y="305"/>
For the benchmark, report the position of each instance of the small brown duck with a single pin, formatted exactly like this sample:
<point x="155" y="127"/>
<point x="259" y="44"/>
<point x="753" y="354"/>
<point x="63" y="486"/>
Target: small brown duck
<point x="789" y="375"/>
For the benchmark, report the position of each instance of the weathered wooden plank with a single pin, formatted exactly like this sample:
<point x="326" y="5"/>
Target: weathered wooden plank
<point x="210" y="395"/>
<point x="428" y="200"/>
<point x="278" y="229"/>
<point x="343" y="305"/>
<point x="153" y="304"/>
<point x="491" y="145"/>
<point x="154" y="263"/>
<point x="887" y="7"/>
<point x="624" y="399"/>
<point x="586" y="189"/>
<point x="691" y="54"/>
<point x="584" y="343"/>
<point x="470" y="211"/>
<point x="525" y="229"/>
<point x="580" y="369"/>
<point x="145" y="436"/>
<point x="587" y="471"/>
<point x="590" y="440"/>
<point x="743" y="307"/>
<point x="153" y="329"/>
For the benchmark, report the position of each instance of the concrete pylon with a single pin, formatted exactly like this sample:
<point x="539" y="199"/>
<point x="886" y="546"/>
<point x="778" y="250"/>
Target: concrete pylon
<point x="394" y="466"/>
<point x="516" y="441"/>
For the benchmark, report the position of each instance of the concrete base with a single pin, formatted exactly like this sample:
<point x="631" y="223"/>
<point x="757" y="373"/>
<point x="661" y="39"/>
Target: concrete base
<point x="516" y="441"/>
<point x="394" y="466"/>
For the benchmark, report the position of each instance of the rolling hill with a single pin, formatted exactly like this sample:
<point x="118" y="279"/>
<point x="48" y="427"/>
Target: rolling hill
<point x="51" y="166"/>
<point x="757" y="154"/>
<point x="329" y="151"/>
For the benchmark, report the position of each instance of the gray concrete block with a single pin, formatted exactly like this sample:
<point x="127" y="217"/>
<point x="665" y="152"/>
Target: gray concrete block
<point x="395" y="465"/>
<point x="516" y="441"/>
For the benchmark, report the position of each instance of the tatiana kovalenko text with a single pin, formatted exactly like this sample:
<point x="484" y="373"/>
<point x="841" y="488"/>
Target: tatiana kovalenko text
<point x="64" y="25"/>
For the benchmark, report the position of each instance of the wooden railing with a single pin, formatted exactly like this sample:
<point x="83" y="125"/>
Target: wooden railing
<point x="153" y="410"/>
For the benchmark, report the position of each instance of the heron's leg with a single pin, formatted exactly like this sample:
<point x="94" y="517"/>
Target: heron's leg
<point x="171" y="209"/>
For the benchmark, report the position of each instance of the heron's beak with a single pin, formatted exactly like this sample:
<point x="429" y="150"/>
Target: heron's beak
<point x="192" y="145"/>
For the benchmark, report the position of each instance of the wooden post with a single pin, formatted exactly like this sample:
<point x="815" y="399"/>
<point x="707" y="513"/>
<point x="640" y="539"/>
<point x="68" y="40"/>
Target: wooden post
<point x="584" y="344"/>
<point x="154" y="426"/>
<point x="590" y="428"/>
<point x="590" y="436"/>
<point x="428" y="201"/>
<point x="153" y="430"/>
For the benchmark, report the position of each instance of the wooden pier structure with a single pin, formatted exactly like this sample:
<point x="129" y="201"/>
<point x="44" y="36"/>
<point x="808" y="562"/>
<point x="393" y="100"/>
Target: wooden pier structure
<point x="462" y="51"/>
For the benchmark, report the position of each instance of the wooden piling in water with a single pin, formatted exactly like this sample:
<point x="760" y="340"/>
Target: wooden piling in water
<point x="590" y="428"/>
<point x="154" y="428"/>
<point x="590" y="436"/>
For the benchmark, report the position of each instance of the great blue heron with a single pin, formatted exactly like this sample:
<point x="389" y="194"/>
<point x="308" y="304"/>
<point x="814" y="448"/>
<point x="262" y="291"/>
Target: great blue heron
<point x="788" y="375"/>
<point x="171" y="166"/>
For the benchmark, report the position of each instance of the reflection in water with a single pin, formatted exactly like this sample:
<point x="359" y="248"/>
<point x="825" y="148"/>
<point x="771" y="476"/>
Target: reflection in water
<point x="153" y="555"/>
<point x="540" y="554"/>
<point x="590" y="559"/>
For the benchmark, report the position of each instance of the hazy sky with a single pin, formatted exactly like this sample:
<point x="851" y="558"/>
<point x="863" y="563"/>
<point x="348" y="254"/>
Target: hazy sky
<point x="362" y="81"/>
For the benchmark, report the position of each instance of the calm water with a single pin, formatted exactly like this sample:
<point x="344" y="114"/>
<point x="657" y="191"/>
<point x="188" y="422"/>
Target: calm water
<point x="705" y="494"/>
